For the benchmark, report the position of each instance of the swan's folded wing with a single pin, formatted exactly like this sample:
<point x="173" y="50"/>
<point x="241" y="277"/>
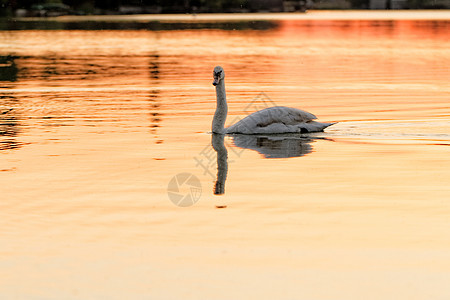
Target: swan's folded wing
<point x="281" y="114"/>
<point x="298" y="115"/>
<point x="280" y="117"/>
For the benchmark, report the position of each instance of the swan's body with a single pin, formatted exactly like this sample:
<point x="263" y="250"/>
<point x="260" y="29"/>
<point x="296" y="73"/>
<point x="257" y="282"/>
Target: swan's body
<point x="276" y="119"/>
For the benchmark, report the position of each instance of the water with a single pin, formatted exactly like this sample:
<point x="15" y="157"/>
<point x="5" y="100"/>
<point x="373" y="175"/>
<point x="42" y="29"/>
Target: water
<point x="96" y="124"/>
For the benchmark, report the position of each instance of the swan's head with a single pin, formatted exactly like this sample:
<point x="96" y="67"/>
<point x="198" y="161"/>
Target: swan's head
<point x="218" y="75"/>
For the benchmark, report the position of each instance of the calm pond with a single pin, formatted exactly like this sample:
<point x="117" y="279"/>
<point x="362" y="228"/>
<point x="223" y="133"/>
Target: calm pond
<point x="111" y="187"/>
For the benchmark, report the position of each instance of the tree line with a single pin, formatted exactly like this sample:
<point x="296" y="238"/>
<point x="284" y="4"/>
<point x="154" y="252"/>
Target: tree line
<point x="162" y="6"/>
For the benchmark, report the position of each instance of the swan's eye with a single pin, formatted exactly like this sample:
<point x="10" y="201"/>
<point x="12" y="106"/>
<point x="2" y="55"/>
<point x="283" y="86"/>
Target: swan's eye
<point x="218" y="74"/>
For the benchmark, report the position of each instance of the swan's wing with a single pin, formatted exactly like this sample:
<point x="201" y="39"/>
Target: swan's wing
<point x="275" y="116"/>
<point x="281" y="114"/>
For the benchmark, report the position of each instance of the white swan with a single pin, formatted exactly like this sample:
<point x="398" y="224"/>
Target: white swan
<point x="276" y="119"/>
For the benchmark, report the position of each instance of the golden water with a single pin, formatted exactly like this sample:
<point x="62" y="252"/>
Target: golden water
<point x="94" y="124"/>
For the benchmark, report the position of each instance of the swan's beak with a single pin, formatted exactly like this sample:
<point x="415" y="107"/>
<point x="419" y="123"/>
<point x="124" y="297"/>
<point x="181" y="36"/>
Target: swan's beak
<point x="216" y="81"/>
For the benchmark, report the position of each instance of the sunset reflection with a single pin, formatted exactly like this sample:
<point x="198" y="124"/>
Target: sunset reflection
<point x="98" y="115"/>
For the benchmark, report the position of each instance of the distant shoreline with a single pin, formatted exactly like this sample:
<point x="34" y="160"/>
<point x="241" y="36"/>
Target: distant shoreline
<point x="443" y="14"/>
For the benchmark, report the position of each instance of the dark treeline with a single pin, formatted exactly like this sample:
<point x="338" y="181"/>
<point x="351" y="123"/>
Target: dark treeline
<point x="160" y="6"/>
<point x="10" y="7"/>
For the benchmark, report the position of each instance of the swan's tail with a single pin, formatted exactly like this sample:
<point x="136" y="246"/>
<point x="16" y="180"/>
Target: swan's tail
<point x="314" y="126"/>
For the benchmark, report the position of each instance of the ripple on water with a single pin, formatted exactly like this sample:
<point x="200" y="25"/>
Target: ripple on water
<point x="414" y="131"/>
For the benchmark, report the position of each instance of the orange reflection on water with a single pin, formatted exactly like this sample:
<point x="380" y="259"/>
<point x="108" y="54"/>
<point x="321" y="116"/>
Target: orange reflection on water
<point x="94" y="125"/>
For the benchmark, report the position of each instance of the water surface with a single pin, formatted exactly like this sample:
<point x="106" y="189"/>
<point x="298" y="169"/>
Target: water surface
<point x="94" y="124"/>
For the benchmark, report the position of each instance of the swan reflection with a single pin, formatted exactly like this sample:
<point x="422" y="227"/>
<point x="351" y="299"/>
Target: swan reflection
<point x="275" y="146"/>
<point x="270" y="146"/>
<point x="217" y="141"/>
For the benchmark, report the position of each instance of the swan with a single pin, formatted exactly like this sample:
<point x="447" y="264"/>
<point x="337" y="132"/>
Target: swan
<point x="271" y="120"/>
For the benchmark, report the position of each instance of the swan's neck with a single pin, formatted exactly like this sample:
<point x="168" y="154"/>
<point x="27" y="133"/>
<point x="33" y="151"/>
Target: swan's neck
<point x="221" y="110"/>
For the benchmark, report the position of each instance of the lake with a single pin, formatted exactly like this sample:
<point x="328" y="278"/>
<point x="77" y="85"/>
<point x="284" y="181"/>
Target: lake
<point x="113" y="186"/>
